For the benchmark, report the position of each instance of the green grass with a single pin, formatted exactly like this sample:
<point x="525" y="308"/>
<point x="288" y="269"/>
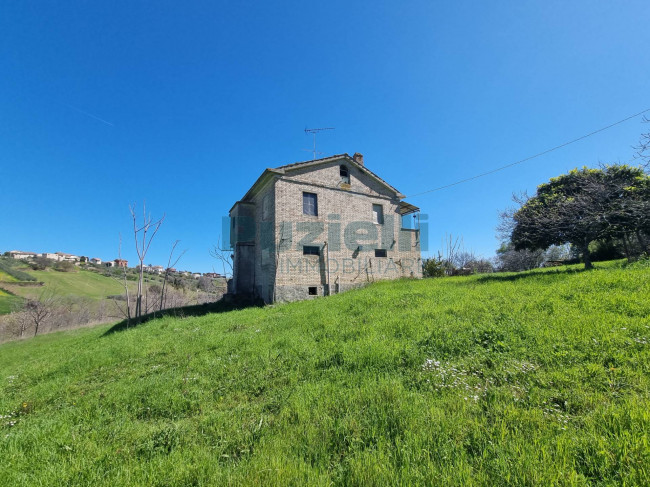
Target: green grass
<point x="4" y="277"/>
<point x="541" y="378"/>
<point x="15" y="269"/>
<point x="7" y="302"/>
<point x="82" y="283"/>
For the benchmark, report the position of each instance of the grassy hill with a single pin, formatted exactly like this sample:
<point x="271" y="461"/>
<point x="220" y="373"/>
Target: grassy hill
<point x="83" y="283"/>
<point x="7" y="302"/>
<point x="538" y="378"/>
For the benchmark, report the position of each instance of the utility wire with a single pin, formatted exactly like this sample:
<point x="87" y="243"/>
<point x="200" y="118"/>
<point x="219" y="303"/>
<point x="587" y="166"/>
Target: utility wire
<point x="531" y="157"/>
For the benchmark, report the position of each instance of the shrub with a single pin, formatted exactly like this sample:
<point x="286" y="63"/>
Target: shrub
<point x="65" y="266"/>
<point x="433" y="267"/>
<point x="41" y="263"/>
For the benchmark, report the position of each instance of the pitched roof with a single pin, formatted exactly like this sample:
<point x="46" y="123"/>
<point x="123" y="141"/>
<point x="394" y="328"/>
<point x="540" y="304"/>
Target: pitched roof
<point x="349" y="160"/>
<point x="280" y="170"/>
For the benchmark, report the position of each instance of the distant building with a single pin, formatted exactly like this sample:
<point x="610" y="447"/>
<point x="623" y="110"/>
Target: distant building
<point x="96" y="261"/>
<point x="19" y="254"/>
<point x="67" y="257"/>
<point x="121" y="263"/>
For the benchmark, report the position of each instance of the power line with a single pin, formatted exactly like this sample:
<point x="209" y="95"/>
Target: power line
<point x="531" y="157"/>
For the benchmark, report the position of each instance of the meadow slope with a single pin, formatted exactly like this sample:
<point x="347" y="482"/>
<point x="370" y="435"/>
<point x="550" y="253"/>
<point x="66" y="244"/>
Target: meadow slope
<point x="539" y="378"/>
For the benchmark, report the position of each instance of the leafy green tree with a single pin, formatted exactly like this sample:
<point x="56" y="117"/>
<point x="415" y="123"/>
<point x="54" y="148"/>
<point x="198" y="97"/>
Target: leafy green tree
<point x="433" y="267"/>
<point x="582" y="206"/>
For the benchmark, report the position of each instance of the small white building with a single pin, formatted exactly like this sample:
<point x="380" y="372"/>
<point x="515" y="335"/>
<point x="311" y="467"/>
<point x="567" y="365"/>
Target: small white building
<point x="19" y="254"/>
<point x="96" y="261"/>
<point x="68" y="257"/>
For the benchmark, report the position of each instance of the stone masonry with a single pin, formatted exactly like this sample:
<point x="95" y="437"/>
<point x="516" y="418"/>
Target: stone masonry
<point x="283" y="254"/>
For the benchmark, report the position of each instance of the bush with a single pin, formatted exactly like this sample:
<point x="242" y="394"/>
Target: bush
<point x="65" y="266"/>
<point x="433" y="267"/>
<point x="41" y="263"/>
<point x="480" y="266"/>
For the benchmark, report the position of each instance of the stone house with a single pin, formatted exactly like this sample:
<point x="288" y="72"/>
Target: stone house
<point x="320" y="227"/>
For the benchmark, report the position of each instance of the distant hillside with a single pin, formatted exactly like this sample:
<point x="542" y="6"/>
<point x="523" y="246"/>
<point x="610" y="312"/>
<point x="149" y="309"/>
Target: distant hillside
<point x="86" y="294"/>
<point x="538" y="378"/>
<point x="24" y="283"/>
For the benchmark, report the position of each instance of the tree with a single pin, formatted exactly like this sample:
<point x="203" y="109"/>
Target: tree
<point x="65" y="266"/>
<point x="142" y="242"/>
<point x="225" y="256"/>
<point x="433" y="267"/>
<point x="643" y="148"/>
<point x="205" y="284"/>
<point x="582" y="206"/>
<point x="38" y="311"/>
<point x="170" y="265"/>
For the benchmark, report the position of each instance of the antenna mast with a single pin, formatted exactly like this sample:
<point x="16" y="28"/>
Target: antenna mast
<point x="314" y="132"/>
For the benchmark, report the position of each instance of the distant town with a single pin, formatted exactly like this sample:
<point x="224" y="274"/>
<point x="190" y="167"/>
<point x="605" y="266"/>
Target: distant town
<point x="80" y="259"/>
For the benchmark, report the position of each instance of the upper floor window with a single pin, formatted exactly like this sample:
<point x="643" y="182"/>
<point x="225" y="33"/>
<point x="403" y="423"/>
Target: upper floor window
<point x="345" y="174"/>
<point x="310" y="204"/>
<point x="378" y="214"/>
<point x="380" y="253"/>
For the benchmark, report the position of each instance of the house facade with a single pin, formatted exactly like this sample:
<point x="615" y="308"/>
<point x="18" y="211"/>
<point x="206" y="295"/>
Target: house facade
<point x="320" y="227"/>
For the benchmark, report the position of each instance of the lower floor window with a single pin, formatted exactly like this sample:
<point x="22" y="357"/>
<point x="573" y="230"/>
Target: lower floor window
<point x="380" y="252"/>
<point x="313" y="290"/>
<point x="311" y="250"/>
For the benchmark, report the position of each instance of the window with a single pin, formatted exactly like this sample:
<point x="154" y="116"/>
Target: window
<point x="313" y="290"/>
<point x="345" y="174"/>
<point x="311" y="250"/>
<point x="310" y="204"/>
<point x="380" y="252"/>
<point x="378" y="214"/>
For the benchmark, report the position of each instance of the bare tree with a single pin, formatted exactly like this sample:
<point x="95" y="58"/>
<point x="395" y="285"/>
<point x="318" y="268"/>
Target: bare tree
<point x="125" y="284"/>
<point x="167" y="270"/>
<point x="643" y="148"/>
<point x="39" y="310"/>
<point x="224" y="256"/>
<point x="143" y="235"/>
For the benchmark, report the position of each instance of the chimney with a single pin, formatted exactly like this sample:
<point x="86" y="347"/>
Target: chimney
<point x="358" y="158"/>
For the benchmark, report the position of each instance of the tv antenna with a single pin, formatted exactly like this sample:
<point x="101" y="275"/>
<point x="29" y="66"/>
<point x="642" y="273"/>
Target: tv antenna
<point x="314" y="132"/>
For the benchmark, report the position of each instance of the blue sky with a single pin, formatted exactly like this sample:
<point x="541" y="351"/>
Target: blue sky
<point x="183" y="105"/>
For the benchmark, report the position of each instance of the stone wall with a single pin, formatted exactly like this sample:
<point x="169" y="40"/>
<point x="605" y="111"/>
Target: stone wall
<point x="344" y="213"/>
<point x="343" y="230"/>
